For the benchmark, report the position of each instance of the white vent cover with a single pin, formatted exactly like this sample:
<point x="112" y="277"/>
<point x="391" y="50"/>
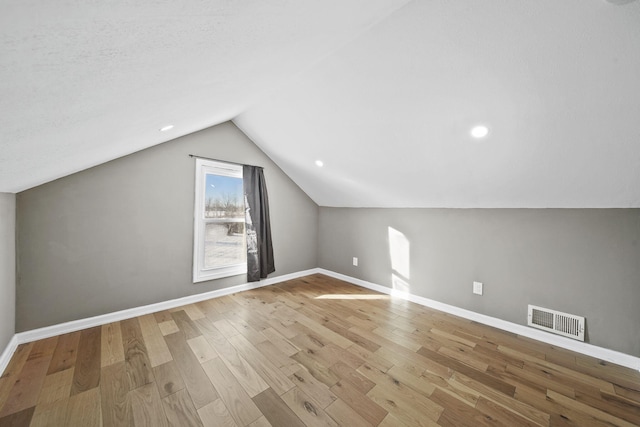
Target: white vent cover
<point x="564" y="324"/>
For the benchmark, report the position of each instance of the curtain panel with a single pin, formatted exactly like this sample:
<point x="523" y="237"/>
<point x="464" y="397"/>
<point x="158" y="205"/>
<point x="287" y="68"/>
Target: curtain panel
<point x="260" y="261"/>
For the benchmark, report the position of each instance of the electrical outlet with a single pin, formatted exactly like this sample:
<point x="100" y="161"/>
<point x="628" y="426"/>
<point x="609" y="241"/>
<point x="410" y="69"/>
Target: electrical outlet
<point x="477" y="288"/>
<point x="355" y="261"/>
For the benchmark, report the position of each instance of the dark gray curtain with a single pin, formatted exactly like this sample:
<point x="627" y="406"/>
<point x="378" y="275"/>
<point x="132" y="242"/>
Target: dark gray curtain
<point x="259" y="248"/>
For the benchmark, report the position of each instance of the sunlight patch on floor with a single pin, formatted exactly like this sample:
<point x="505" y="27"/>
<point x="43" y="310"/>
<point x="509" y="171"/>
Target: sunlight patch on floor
<point x="352" y="296"/>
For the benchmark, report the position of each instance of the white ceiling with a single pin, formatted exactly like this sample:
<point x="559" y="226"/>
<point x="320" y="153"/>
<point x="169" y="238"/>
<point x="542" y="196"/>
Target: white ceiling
<point x="384" y="92"/>
<point x="86" y="81"/>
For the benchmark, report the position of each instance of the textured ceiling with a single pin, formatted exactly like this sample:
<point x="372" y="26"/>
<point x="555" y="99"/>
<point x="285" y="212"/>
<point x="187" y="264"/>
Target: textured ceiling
<point x="84" y="82"/>
<point x="384" y="92"/>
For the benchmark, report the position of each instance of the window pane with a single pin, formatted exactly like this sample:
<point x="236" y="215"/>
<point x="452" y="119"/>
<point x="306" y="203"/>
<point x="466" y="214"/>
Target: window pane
<point x="224" y="244"/>
<point x="224" y="197"/>
<point x="219" y="240"/>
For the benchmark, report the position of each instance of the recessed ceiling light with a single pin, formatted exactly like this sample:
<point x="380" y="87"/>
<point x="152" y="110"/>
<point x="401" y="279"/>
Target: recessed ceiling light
<point x="319" y="163"/>
<point x="479" y="131"/>
<point x="166" y="128"/>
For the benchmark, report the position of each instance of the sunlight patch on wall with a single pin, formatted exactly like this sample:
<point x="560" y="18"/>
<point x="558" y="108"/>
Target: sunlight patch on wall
<point x="400" y="285"/>
<point x="399" y="252"/>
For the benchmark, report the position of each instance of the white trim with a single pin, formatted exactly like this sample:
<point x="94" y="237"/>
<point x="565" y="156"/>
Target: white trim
<point x="76" y="325"/>
<point x="6" y="355"/>
<point x="63" y="328"/>
<point x="602" y="353"/>
<point x="203" y="168"/>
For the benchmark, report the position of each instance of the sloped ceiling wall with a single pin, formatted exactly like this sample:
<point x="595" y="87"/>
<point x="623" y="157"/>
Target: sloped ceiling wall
<point x="84" y="82"/>
<point x="383" y="92"/>
<point x="557" y="83"/>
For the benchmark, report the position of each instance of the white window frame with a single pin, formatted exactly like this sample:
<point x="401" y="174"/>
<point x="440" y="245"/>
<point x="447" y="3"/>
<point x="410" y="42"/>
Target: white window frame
<point x="200" y="273"/>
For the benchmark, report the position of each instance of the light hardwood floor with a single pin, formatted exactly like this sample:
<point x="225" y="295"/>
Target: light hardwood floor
<point x="313" y="351"/>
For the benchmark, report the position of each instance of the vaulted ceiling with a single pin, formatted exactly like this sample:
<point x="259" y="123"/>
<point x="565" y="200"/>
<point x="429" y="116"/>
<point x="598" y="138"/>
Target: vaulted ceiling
<point x="383" y="92"/>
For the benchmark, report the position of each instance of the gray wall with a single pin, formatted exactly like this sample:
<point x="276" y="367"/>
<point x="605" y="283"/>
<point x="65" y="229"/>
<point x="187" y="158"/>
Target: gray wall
<point x="119" y="235"/>
<point x="580" y="261"/>
<point x="7" y="268"/>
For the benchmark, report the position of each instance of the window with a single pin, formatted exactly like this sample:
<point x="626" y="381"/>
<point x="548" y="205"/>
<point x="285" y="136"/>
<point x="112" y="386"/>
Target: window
<point x="220" y="248"/>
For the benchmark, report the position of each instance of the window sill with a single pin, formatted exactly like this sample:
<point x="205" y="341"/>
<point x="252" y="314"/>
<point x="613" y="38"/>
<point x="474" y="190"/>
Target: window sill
<point x="219" y="273"/>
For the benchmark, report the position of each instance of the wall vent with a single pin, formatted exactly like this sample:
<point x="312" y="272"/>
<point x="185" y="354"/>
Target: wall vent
<point x="564" y="324"/>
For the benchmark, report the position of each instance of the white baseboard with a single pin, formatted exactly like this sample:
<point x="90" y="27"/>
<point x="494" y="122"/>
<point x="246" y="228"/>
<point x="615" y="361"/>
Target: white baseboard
<point x="5" y="357"/>
<point x="580" y="347"/>
<point x="76" y="325"/>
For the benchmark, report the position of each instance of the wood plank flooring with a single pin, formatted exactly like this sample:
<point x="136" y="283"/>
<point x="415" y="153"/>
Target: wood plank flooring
<point x="313" y="351"/>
